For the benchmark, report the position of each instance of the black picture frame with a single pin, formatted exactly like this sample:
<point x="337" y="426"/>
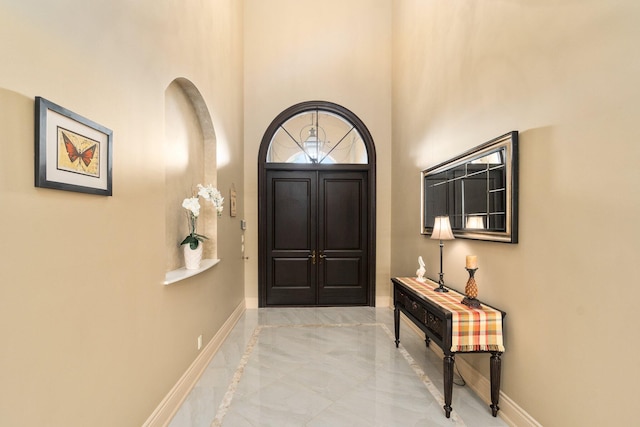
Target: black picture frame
<point x="72" y="153"/>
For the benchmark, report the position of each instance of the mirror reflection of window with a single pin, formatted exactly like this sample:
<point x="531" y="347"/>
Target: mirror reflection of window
<point x="495" y="158"/>
<point x="317" y="137"/>
<point x="476" y="191"/>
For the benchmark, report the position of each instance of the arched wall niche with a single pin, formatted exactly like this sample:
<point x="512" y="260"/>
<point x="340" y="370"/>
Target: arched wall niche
<point x="190" y="159"/>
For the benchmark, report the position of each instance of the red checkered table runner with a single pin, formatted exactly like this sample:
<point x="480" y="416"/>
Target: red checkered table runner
<point x="472" y="329"/>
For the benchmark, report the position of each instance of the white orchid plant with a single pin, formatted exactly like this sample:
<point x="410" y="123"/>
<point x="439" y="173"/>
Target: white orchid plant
<point x="192" y="205"/>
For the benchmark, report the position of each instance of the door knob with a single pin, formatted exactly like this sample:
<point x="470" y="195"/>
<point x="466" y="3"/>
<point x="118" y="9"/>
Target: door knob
<point x="322" y="256"/>
<point x="312" y="255"/>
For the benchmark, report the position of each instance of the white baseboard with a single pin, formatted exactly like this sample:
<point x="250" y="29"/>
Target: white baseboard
<point x="510" y="412"/>
<point x="251" y="302"/>
<point x="383" y="301"/>
<point x="165" y="411"/>
<point x="380" y="302"/>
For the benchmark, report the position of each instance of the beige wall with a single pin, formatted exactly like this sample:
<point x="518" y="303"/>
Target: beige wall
<point x="102" y="344"/>
<point x="565" y="74"/>
<point x="332" y="51"/>
<point x="90" y="336"/>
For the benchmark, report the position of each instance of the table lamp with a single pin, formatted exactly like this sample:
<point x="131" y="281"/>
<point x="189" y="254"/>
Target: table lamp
<point x="441" y="231"/>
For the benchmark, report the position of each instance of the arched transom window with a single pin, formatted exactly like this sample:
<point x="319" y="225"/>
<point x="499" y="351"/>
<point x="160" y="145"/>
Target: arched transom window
<point x="317" y="136"/>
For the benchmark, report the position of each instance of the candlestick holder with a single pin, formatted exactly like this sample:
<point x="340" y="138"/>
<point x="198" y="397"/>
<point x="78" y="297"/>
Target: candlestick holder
<point x="471" y="290"/>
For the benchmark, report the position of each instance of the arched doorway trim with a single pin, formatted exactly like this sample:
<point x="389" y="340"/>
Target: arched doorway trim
<point x="368" y="168"/>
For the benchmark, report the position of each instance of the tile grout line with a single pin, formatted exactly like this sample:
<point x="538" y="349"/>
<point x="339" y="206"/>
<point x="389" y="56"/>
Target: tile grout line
<point x="223" y="408"/>
<point x="231" y="390"/>
<point x="424" y="378"/>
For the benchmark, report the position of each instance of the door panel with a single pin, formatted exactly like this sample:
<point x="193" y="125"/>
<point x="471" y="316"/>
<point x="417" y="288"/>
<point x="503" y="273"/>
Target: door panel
<point x="342" y="272"/>
<point x="342" y="222"/>
<point x="291" y="224"/>
<point x="292" y="212"/>
<point x="342" y="212"/>
<point x="290" y="272"/>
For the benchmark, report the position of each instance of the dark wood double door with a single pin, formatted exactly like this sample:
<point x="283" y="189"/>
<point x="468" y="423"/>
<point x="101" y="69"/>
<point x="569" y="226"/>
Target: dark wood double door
<point x="317" y="238"/>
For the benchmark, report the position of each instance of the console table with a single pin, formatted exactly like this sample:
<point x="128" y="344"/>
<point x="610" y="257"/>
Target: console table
<point x="454" y="327"/>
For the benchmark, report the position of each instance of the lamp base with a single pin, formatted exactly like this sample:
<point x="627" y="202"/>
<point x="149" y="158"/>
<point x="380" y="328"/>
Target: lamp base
<point x="441" y="287"/>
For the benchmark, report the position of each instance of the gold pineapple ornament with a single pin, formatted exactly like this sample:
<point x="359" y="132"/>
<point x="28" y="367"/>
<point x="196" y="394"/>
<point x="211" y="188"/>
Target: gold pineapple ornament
<point x="471" y="290"/>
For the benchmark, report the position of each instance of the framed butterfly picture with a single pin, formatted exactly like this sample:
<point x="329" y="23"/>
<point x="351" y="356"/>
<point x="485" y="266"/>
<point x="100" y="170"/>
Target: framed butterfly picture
<point x="73" y="153"/>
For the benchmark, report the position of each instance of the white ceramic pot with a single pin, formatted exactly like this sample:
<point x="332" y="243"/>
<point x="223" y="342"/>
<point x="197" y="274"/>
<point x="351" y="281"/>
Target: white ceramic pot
<point x="192" y="257"/>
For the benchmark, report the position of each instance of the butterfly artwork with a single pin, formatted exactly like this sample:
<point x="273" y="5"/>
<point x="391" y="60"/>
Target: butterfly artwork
<point x="79" y="154"/>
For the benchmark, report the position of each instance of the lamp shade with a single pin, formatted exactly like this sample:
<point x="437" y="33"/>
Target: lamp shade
<point x="475" y="222"/>
<point x="442" y="229"/>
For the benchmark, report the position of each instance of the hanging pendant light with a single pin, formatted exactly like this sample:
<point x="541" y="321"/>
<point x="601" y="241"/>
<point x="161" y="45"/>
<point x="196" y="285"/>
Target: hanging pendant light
<point x="313" y="145"/>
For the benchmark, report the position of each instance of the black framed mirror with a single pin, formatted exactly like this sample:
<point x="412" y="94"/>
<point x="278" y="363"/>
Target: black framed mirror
<point x="477" y="190"/>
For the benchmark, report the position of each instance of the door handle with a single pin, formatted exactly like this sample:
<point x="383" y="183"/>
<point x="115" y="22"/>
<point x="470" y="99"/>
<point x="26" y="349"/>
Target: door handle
<point x="322" y="256"/>
<point x="312" y="255"/>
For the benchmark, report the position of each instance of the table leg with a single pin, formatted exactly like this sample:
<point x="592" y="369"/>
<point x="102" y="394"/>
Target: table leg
<point x="495" y="368"/>
<point x="448" y="362"/>
<point x="396" y="324"/>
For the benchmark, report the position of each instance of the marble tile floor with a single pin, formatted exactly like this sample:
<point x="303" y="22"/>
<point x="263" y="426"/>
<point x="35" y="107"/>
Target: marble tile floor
<point x="325" y="367"/>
